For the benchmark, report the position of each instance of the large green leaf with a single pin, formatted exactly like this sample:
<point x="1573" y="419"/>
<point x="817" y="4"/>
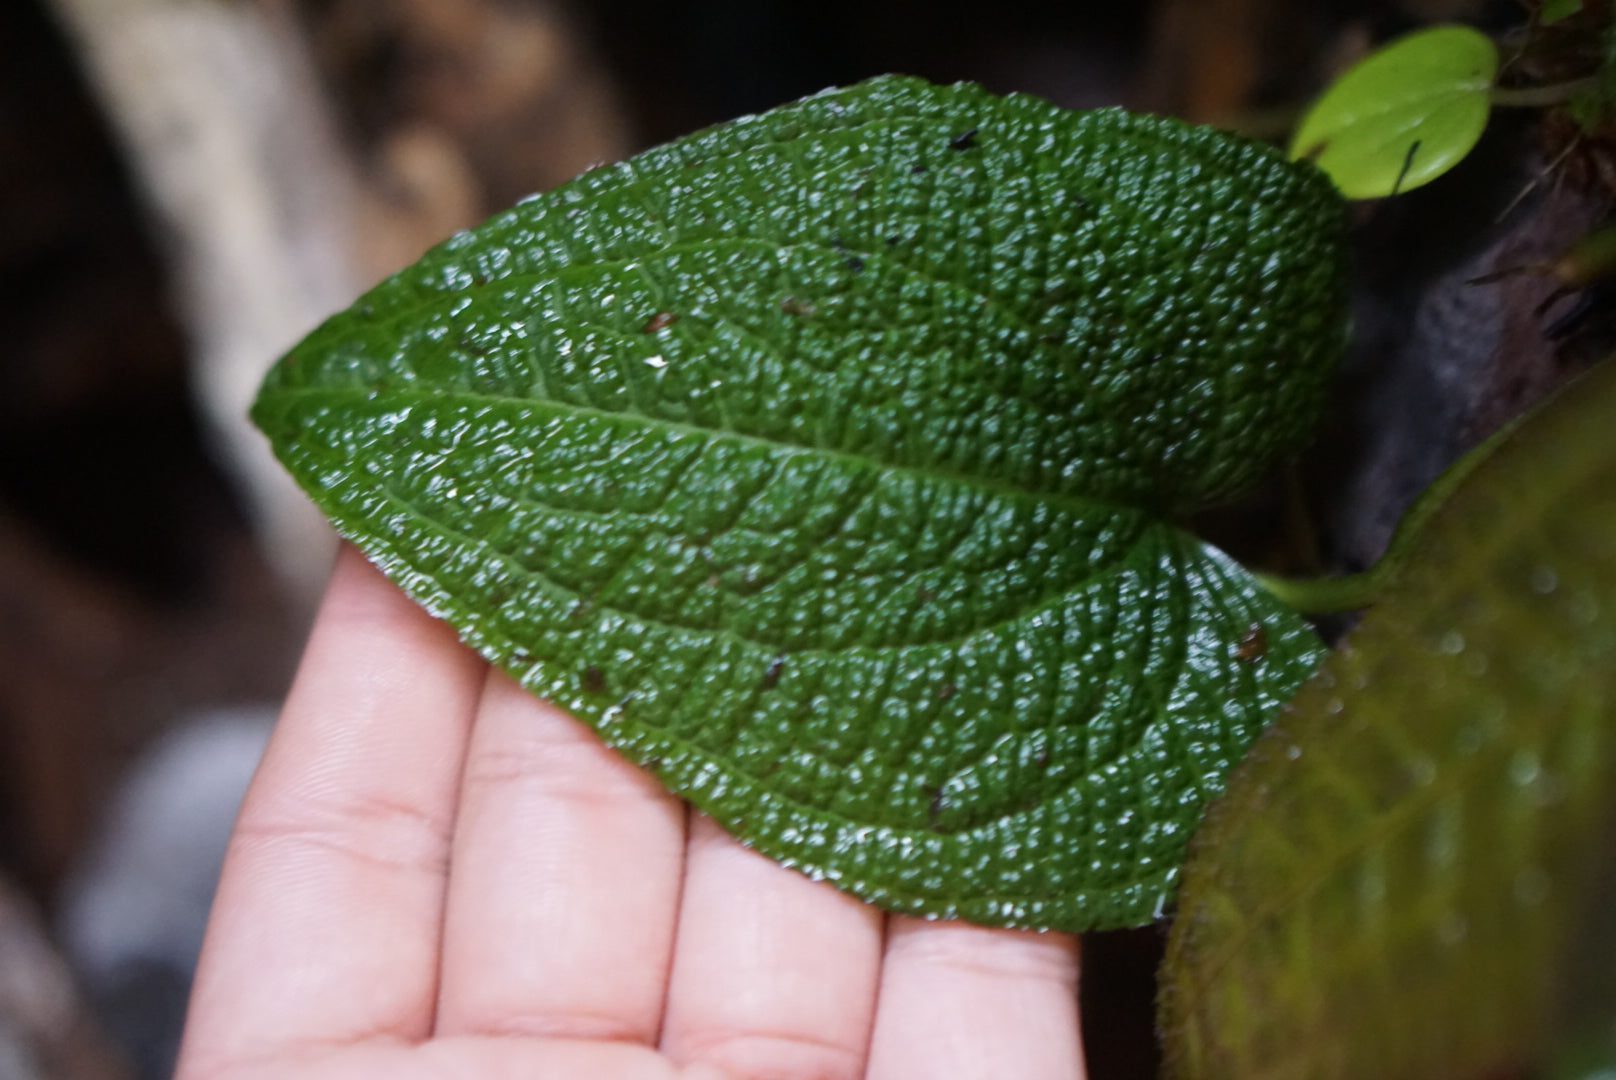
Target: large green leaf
<point x="1403" y="115"/>
<point x="1409" y="875"/>
<point x="822" y="462"/>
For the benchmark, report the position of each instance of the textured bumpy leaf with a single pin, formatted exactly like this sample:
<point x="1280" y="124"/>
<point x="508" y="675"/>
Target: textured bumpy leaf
<point x="822" y="462"/>
<point x="1409" y="876"/>
<point x="1403" y="115"/>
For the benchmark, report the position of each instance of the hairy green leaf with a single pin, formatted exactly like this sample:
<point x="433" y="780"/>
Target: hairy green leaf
<point x="1409" y="875"/>
<point x="824" y="462"/>
<point x="1403" y="115"/>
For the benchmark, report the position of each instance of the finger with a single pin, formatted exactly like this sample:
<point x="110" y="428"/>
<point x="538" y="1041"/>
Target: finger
<point x="483" y="1058"/>
<point x="325" y="925"/>
<point x="963" y="1002"/>
<point x="565" y="882"/>
<point x="774" y="975"/>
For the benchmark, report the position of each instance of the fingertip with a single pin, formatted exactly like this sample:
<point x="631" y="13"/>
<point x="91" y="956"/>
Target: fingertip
<point x="966" y="1002"/>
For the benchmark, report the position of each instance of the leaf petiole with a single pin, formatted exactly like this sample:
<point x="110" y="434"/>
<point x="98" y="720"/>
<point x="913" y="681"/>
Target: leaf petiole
<point x="1536" y="97"/>
<point x="1323" y="595"/>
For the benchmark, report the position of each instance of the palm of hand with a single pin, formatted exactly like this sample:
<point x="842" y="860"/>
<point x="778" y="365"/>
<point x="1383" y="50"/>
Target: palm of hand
<point x="434" y="874"/>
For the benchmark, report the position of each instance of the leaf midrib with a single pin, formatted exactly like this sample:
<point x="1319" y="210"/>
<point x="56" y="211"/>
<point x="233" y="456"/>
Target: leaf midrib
<point x="417" y="304"/>
<point x="1077" y="506"/>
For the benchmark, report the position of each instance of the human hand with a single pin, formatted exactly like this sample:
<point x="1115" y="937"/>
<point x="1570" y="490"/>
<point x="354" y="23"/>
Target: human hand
<point x="435" y="874"/>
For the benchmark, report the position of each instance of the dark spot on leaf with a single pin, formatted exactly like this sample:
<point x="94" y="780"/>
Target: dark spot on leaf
<point x="1041" y="758"/>
<point x="917" y="169"/>
<point x="479" y="279"/>
<point x="660" y="321"/>
<point x="854" y="263"/>
<point x="1253" y="644"/>
<point x="964" y="140"/>
<point x="892" y="241"/>
<point x="934" y="809"/>
<point x="1051" y="339"/>
<point x="925" y="595"/>
<point x="593" y="680"/>
<point x="1408" y="163"/>
<point x="946" y="691"/>
<point x="520" y="656"/>
<point x="792" y="306"/>
<point x="771" y="674"/>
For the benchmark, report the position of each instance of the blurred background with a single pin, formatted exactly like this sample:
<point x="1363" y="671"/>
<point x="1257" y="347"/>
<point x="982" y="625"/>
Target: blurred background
<point x="187" y="186"/>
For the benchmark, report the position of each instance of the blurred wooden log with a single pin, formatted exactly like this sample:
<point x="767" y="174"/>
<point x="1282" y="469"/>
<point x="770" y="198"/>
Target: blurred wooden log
<point x="273" y="223"/>
<point x="254" y="196"/>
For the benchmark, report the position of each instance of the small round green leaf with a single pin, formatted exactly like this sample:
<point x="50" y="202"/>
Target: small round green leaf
<point x="825" y="462"/>
<point x="1403" y="115"/>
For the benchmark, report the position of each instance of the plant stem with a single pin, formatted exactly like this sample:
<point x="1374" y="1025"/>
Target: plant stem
<point x="1534" y="97"/>
<point x="1317" y="596"/>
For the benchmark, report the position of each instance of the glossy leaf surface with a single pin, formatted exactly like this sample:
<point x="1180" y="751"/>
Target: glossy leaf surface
<point x="823" y="462"/>
<point x="1409" y="875"/>
<point x="1403" y="115"/>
